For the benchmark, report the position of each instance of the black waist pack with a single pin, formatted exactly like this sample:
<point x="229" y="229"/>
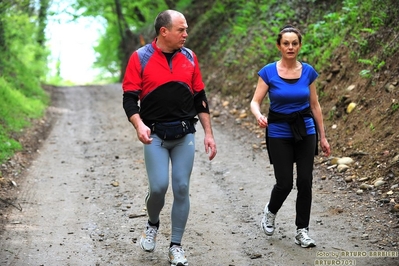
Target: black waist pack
<point x="174" y="130"/>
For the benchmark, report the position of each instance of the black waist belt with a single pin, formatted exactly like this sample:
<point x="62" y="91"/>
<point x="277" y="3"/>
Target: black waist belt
<point x="296" y="123"/>
<point x="295" y="120"/>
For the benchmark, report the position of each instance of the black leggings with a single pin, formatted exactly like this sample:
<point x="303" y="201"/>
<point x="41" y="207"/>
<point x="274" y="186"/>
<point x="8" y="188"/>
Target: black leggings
<point x="285" y="152"/>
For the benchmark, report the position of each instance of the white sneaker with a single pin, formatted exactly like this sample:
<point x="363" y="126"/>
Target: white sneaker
<point x="148" y="238"/>
<point x="303" y="239"/>
<point x="177" y="257"/>
<point x="267" y="222"/>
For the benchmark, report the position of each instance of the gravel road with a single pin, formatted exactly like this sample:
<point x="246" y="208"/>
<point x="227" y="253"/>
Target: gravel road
<point x="82" y="200"/>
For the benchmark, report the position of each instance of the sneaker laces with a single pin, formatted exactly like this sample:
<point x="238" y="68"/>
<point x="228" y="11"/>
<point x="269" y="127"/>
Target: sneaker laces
<point x="303" y="235"/>
<point x="177" y="252"/>
<point x="270" y="217"/>
<point x="150" y="233"/>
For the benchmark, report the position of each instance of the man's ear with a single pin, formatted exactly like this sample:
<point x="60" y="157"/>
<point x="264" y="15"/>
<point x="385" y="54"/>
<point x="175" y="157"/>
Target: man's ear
<point x="163" y="31"/>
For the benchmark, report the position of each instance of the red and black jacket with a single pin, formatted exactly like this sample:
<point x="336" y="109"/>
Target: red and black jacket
<point x="167" y="89"/>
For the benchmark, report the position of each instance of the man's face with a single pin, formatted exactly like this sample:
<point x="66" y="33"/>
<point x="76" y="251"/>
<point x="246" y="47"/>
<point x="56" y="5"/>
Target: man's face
<point x="176" y="34"/>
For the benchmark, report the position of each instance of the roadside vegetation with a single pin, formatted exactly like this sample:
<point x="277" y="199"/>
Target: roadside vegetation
<point x="22" y="68"/>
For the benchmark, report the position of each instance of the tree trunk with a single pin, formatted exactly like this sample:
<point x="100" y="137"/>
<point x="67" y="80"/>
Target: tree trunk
<point x="3" y="44"/>
<point x="42" y="22"/>
<point x="129" y="40"/>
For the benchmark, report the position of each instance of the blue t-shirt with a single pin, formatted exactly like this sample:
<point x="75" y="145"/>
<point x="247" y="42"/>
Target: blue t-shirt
<point x="286" y="98"/>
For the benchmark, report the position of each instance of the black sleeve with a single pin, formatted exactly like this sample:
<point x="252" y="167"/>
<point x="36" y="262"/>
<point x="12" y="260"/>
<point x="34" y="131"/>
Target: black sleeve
<point x="130" y="103"/>
<point x="201" y="102"/>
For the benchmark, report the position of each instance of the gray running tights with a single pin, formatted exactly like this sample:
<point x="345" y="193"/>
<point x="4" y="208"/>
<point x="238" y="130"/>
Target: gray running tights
<point x="157" y="155"/>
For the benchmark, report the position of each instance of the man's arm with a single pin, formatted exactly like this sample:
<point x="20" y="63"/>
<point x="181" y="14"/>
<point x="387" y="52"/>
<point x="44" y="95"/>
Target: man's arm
<point x="209" y="141"/>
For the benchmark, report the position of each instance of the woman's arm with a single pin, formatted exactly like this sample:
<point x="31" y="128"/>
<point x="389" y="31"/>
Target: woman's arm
<point x="256" y="102"/>
<point x="318" y="116"/>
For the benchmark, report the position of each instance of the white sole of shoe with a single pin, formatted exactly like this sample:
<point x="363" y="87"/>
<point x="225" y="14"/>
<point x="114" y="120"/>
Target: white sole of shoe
<point x="264" y="229"/>
<point x="178" y="264"/>
<point x="147" y="250"/>
<point x="311" y="245"/>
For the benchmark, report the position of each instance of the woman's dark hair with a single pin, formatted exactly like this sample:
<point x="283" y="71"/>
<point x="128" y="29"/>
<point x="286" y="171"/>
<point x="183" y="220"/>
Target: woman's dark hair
<point x="164" y="19"/>
<point x="289" y="28"/>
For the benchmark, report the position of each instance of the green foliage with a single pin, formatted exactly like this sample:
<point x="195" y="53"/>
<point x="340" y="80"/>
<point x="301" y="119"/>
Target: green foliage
<point x="364" y="29"/>
<point x="333" y="30"/>
<point x="395" y="107"/>
<point x="249" y="40"/>
<point x="331" y="114"/>
<point x="365" y="73"/>
<point x="371" y="126"/>
<point x="22" y="66"/>
<point x="15" y="105"/>
<point x="16" y="111"/>
<point x="249" y="30"/>
<point x="8" y="146"/>
<point x="246" y="36"/>
<point x="374" y="63"/>
<point x="134" y="16"/>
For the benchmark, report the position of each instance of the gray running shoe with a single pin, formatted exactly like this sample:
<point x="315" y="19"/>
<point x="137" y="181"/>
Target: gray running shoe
<point x="177" y="257"/>
<point x="148" y="238"/>
<point x="267" y="222"/>
<point x="303" y="239"/>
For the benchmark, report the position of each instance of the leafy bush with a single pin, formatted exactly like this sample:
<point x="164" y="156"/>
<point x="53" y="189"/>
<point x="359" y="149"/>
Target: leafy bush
<point x="22" y="65"/>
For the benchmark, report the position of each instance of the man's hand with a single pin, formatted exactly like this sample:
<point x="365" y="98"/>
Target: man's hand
<point x="143" y="132"/>
<point x="210" y="146"/>
<point x="209" y="141"/>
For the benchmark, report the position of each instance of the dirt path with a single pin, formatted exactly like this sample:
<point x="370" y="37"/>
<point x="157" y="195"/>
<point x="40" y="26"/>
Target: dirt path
<point x="83" y="200"/>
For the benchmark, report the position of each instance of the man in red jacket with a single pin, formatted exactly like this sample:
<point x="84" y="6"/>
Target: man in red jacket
<point x="165" y="78"/>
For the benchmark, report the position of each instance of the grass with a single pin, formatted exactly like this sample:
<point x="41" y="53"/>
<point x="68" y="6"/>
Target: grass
<point x="16" y="112"/>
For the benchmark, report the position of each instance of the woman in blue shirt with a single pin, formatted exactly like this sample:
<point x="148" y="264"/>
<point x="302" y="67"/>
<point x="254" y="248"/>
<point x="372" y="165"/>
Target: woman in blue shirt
<point x="293" y="127"/>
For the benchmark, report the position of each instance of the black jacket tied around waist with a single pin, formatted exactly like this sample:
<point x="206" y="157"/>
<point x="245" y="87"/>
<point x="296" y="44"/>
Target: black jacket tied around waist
<point x="296" y="123"/>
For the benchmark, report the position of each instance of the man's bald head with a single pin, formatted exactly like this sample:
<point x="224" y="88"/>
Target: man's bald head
<point x="164" y="19"/>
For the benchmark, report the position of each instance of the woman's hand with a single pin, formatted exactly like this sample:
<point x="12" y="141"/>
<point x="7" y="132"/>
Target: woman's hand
<point x="262" y="121"/>
<point x="325" y="147"/>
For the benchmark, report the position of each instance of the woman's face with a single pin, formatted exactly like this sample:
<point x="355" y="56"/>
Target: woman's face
<point x="289" y="45"/>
